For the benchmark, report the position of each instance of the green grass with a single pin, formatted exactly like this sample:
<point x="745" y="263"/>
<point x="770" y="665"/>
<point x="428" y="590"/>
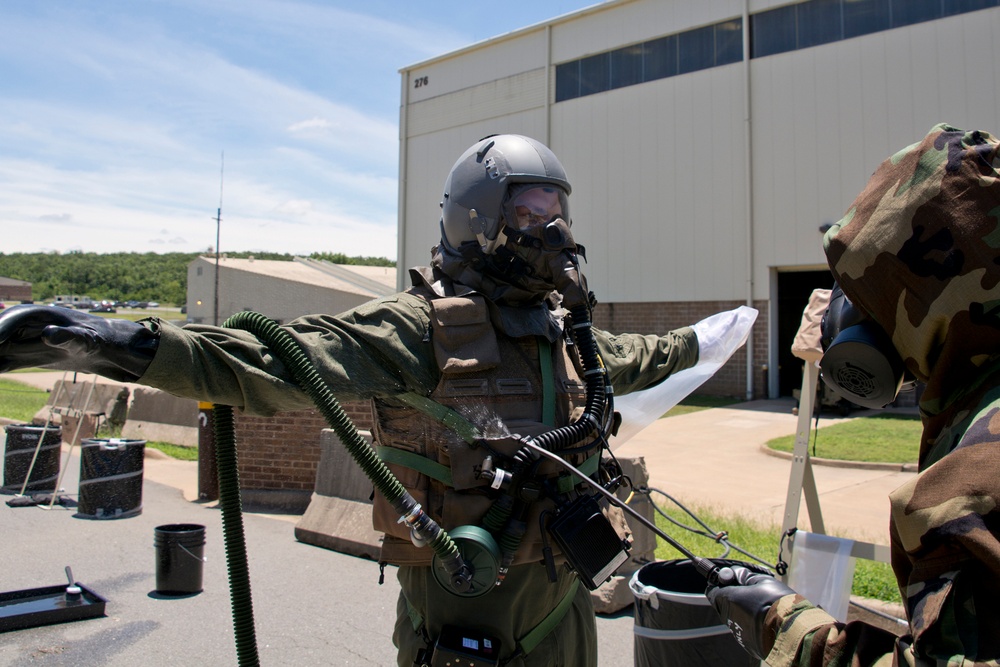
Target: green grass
<point x="882" y="437"/>
<point x="20" y="401"/>
<point x="696" y="403"/>
<point x="872" y="579"/>
<point x="183" y="453"/>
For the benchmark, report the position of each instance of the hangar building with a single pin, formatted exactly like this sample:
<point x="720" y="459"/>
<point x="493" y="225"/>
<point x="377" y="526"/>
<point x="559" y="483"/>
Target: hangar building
<point x="708" y="142"/>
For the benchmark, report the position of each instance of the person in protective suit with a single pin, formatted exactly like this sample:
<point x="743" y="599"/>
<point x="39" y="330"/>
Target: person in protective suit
<point x="483" y="341"/>
<point x="917" y="265"/>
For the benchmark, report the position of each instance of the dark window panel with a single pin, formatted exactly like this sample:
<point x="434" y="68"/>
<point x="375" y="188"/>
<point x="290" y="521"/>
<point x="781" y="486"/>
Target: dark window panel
<point x="695" y="50"/>
<point x="962" y="6"/>
<point x="729" y="42"/>
<point x="595" y="74"/>
<point x="778" y="30"/>
<point x="818" y="22"/>
<point x="772" y="32"/>
<point x="568" y="81"/>
<point x="862" y="17"/>
<point x="659" y="58"/>
<point x="908" y="12"/>
<point x="626" y="66"/>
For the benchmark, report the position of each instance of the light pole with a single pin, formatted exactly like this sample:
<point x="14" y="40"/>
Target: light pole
<point x="218" y="228"/>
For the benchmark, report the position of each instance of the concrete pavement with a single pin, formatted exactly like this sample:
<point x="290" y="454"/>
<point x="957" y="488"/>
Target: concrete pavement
<point x="715" y="458"/>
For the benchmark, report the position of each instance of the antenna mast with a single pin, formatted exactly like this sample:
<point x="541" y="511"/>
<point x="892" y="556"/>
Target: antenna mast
<point x="218" y="226"/>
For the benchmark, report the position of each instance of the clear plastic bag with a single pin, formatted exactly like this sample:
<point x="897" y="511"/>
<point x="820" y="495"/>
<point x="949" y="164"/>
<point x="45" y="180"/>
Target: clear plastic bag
<point x="719" y="336"/>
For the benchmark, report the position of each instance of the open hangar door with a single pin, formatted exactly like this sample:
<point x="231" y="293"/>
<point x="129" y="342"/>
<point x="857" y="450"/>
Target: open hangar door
<point x="794" y="288"/>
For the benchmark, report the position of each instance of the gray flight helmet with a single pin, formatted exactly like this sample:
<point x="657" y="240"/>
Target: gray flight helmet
<point x="478" y="184"/>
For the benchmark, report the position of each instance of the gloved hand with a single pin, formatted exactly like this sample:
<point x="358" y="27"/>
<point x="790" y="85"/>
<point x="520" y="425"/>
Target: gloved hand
<point x="743" y="600"/>
<point x="72" y="340"/>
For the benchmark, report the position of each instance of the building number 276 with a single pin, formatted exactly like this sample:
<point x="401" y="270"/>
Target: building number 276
<point x="420" y="81"/>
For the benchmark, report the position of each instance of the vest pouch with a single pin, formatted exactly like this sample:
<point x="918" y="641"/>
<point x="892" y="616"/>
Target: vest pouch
<point x="464" y="339"/>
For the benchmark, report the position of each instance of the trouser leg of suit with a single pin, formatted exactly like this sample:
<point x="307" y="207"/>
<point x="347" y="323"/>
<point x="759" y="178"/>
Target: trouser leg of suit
<point x="508" y="612"/>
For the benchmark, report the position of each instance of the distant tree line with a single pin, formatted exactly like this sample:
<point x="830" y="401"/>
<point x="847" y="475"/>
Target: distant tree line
<point x="124" y="276"/>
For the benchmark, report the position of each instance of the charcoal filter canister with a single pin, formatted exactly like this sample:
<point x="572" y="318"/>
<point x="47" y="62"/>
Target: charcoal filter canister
<point x="111" y="478"/>
<point x="31" y="452"/>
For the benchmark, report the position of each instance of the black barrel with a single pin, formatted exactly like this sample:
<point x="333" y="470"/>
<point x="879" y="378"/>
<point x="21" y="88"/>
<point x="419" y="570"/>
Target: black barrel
<point x="180" y="549"/>
<point x="674" y="622"/>
<point x="110" y="478"/>
<point x="19" y="453"/>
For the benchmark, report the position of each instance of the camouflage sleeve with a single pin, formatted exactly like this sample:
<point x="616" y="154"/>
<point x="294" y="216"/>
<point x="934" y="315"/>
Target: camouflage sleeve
<point x="807" y="636"/>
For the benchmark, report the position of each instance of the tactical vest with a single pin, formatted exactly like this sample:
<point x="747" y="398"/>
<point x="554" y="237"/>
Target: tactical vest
<point x="495" y="383"/>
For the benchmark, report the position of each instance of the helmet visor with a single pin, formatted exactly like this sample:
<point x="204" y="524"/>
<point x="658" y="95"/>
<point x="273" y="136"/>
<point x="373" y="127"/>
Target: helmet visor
<point x="536" y="205"/>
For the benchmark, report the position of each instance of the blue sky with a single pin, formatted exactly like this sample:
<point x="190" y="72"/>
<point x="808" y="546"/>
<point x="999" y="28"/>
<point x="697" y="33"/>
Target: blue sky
<point x="118" y="118"/>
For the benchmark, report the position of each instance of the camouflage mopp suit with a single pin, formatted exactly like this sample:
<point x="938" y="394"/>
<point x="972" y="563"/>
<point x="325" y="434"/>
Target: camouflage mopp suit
<point x="919" y="252"/>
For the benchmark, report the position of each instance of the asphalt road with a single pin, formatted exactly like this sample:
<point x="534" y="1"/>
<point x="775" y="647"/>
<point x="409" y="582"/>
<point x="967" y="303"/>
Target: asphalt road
<point x="312" y="606"/>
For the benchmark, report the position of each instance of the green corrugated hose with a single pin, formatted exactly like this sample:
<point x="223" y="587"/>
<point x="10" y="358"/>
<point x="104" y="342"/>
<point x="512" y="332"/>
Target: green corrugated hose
<point x="287" y="349"/>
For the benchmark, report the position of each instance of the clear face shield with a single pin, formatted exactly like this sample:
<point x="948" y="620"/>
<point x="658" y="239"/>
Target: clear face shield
<point x="535" y="206"/>
<point x="536" y="231"/>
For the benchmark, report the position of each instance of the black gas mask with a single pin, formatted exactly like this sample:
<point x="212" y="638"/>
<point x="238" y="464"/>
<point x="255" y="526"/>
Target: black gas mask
<point x="859" y="360"/>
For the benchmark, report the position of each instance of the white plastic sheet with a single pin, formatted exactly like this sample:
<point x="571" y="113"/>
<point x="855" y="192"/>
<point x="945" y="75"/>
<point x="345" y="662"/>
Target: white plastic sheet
<point x="822" y="571"/>
<point x="719" y="336"/>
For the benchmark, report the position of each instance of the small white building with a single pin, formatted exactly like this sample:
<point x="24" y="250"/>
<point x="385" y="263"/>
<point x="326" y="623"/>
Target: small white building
<point x="280" y="290"/>
<point x="707" y="142"/>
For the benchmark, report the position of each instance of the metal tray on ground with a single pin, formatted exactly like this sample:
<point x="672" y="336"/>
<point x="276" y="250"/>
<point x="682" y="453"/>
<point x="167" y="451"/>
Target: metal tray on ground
<point x="44" y="606"/>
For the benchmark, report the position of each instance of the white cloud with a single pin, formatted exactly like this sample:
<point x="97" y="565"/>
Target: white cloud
<point x="311" y="124"/>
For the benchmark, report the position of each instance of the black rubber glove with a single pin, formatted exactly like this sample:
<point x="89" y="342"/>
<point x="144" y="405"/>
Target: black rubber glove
<point x="72" y="340"/>
<point x="743" y="598"/>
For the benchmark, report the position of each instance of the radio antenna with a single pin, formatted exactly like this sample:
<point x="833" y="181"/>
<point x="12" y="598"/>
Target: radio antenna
<point x="218" y="227"/>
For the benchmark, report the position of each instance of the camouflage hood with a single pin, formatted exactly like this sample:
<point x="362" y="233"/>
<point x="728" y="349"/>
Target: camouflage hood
<point x="919" y="251"/>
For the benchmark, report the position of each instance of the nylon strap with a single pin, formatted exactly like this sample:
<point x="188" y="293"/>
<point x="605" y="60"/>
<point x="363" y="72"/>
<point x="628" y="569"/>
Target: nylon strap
<point x="443" y="414"/>
<point x="528" y="642"/>
<point x="567" y="483"/>
<point x="548" y="382"/>
<point x="421" y="464"/>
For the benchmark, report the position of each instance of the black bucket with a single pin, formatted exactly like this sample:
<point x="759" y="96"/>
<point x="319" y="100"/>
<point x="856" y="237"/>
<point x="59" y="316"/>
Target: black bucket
<point x="110" y="478"/>
<point x="674" y="622"/>
<point x="19" y="453"/>
<point x="180" y="549"/>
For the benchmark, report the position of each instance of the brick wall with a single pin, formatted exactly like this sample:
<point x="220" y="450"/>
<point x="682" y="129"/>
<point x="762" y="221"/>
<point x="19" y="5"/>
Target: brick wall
<point x="661" y="317"/>
<point x="14" y="293"/>
<point x="282" y="452"/>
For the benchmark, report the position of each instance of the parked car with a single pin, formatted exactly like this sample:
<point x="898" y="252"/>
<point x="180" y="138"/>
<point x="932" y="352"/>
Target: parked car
<point x="153" y="304"/>
<point x="103" y="308"/>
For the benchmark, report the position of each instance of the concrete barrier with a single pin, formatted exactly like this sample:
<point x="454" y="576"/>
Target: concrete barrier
<point x="339" y="515"/>
<point x="161" y="417"/>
